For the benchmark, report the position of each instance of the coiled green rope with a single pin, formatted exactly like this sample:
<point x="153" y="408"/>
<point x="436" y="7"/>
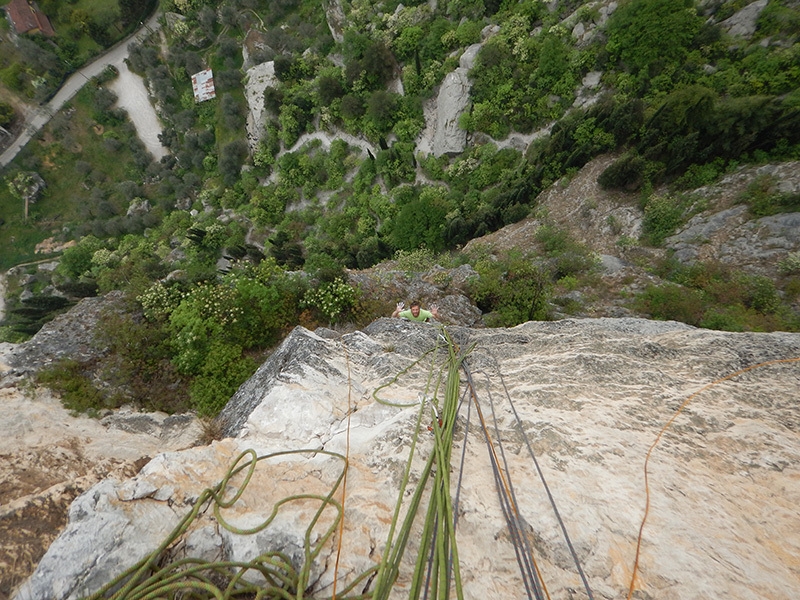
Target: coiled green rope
<point x="224" y="580"/>
<point x="152" y="579"/>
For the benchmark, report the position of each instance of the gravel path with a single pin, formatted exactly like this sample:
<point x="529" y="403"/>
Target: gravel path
<point x="132" y="96"/>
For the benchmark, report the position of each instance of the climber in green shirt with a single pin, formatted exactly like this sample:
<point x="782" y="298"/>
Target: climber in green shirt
<point x="415" y="312"/>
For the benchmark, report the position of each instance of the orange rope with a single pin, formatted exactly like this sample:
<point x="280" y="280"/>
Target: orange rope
<point x="658" y="439"/>
<point x="346" y="469"/>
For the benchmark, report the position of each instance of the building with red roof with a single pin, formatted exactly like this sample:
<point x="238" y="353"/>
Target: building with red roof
<point x="26" y="17"/>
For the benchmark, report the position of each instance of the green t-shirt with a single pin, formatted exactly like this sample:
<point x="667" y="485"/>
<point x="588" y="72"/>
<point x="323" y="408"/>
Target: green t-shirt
<point x="424" y="315"/>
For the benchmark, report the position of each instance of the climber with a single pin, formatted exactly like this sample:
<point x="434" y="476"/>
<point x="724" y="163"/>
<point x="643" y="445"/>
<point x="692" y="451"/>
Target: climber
<point x="415" y="312"/>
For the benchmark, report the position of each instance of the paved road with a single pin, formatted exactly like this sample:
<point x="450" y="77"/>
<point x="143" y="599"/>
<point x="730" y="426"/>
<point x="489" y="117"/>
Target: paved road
<point x="39" y="117"/>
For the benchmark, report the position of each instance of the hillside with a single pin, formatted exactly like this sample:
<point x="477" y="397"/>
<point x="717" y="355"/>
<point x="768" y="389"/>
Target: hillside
<point x="358" y="154"/>
<point x="603" y="197"/>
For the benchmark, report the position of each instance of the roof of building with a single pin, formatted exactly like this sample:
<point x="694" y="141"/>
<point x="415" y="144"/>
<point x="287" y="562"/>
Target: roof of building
<point x="203" y="86"/>
<point x="27" y="18"/>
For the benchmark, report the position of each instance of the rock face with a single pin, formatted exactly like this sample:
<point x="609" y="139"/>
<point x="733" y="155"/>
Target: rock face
<point x="49" y="457"/>
<point x="69" y="335"/>
<point x="259" y="78"/>
<point x="587" y="398"/>
<point x="743" y="22"/>
<point x="442" y="134"/>
<point x="731" y="235"/>
<point x="337" y="21"/>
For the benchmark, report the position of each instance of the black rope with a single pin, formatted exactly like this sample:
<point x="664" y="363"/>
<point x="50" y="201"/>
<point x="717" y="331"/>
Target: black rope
<point x="546" y="487"/>
<point x="463" y="457"/>
<point x="517" y="516"/>
<point x="529" y="577"/>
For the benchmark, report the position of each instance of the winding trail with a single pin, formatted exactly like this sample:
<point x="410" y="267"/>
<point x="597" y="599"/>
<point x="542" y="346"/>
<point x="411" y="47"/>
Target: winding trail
<point x="38" y="118"/>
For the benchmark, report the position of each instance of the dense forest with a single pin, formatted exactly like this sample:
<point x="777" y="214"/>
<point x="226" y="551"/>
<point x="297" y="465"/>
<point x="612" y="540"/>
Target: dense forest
<point x="228" y="241"/>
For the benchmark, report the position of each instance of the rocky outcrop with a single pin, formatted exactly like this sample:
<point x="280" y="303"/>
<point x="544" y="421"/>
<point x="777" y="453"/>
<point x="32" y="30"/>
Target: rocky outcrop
<point x="259" y="78"/>
<point x="731" y="235"/>
<point x="48" y="457"/>
<point x="590" y="18"/>
<point x="442" y="133"/>
<point x="337" y="21"/>
<point x="743" y="23"/>
<point x="588" y="398"/>
<point x="69" y="335"/>
<point x="740" y="241"/>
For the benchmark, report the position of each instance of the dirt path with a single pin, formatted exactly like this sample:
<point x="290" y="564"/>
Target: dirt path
<point x="132" y="96"/>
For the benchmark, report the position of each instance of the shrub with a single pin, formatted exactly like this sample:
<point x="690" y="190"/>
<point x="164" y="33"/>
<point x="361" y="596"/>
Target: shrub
<point x="414" y="262"/>
<point x="138" y="361"/>
<point x="700" y="175"/>
<point x="511" y="291"/>
<point x="421" y="222"/>
<point x="763" y="199"/>
<point x="71" y="381"/>
<point x="728" y="318"/>
<point x="626" y="173"/>
<point x="762" y="295"/>
<point x="662" y="216"/>
<point x="223" y="371"/>
<point x="651" y="34"/>
<point x="790" y="264"/>
<point x="231" y="158"/>
<point x="672" y="302"/>
<point x="6" y="114"/>
<point x="333" y="299"/>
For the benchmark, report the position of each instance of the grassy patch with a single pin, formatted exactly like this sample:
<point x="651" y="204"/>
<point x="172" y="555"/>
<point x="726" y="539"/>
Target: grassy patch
<point x="764" y="199"/>
<point x="716" y="296"/>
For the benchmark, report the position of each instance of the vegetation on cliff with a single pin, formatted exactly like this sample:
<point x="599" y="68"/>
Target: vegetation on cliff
<point x="222" y="246"/>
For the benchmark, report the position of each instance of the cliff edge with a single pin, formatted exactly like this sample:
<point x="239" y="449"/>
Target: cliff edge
<point x="583" y="401"/>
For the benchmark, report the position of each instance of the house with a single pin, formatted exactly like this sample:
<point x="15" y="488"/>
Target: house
<point x="26" y="17"/>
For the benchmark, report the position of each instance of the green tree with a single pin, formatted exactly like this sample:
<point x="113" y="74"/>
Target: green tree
<point x="77" y="261"/>
<point x="6" y="114"/>
<point x="647" y="35"/>
<point x="511" y="290"/>
<point x="421" y="222"/>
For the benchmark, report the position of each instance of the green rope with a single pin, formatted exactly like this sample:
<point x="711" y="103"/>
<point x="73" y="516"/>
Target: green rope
<point x="155" y="577"/>
<point x="400" y="374"/>
<point x="438" y="525"/>
<point x="146" y="581"/>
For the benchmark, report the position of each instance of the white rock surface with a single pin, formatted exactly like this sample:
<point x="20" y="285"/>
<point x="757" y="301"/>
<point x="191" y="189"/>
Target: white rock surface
<point x="259" y="78"/>
<point x="592" y="397"/>
<point x="442" y="135"/>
